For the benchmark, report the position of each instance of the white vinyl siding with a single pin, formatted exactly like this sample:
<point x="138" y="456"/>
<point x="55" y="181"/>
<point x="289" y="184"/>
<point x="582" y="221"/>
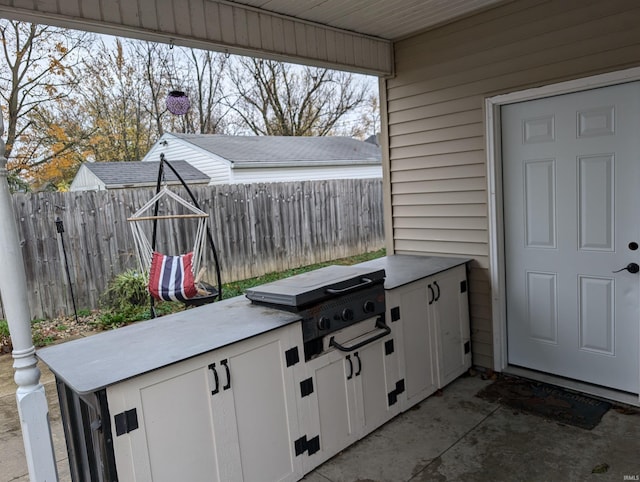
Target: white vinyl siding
<point x="287" y="174"/>
<point x="221" y="172"/>
<point x="85" y="180"/>
<point x="217" y="169"/>
<point x="435" y="102"/>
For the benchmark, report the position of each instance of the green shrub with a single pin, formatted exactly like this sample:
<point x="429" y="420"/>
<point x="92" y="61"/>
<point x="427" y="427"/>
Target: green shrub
<point x="84" y="312"/>
<point x="126" y="291"/>
<point x="127" y="301"/>
<point x="110" y="319"/>
<point x="4" y="329"/>
<point x="42" y="340"/>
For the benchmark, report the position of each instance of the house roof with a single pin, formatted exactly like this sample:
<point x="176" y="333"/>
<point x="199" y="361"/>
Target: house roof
<point x="280" y="151"/>
<point x="136" y="173"/>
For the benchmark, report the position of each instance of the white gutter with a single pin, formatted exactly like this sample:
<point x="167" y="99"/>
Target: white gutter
<point x="32" y="402"/>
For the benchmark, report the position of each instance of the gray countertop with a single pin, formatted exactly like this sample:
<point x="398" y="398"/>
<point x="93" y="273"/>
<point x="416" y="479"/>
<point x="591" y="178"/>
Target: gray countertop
<point x="95" y="362"/>
<point x="401" y="269"/>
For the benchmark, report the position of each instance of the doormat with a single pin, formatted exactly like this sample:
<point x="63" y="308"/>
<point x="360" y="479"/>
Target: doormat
<point x="547" y="401"/>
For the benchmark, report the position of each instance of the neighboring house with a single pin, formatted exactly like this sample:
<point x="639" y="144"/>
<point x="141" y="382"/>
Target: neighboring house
<point x="249" y="159"/>
<point x="97" y="176"/>
<point x="507" y="130"/>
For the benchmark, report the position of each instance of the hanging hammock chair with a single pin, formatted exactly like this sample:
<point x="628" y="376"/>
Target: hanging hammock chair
<point x="174" y="277"/>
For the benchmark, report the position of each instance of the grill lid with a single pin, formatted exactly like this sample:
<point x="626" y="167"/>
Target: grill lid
<point x="315" y="286"/>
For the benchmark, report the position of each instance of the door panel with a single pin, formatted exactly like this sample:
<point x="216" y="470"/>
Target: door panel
<point x="596" y="213"/>
<point x="571" y="171"/>
<point x="542" y="311"/>
<point x="372" y="374"/>
<point x="596" y="317"/>
<point x="540" y="203"/>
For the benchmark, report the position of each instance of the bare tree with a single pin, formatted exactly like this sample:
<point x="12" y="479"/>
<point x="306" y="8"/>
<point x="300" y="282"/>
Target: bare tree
<point x="65" y="107"/>
<point x="116" y="101"/>
<point x="37" y="74"/>
<point x="275" y="98"/>
<point x="156" y="61"/>
<point x="207" y="87"/>
<point x="199" y="73"/>
<point x="367" y="121"/>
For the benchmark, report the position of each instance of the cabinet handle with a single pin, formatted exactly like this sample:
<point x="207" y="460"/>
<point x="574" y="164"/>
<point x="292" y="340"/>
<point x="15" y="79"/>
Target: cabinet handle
<point x="212" y="367"/>
<point x="350" y="375"/>
<point x="359" y="363"/>
<point x="225" y="364"/>
<point x="435" y="283"/>
<point x="379" y="324"/>
<point x="432" y="296"/>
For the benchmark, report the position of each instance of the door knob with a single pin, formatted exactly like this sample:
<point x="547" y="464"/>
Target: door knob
<point x="631" y="268"/>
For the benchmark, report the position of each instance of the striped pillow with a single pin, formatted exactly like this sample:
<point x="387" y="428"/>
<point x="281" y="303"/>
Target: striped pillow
<point x="171" y="277"/>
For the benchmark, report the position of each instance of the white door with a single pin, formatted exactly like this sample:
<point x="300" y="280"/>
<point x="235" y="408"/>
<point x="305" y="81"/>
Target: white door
<point x="571" y="184"/>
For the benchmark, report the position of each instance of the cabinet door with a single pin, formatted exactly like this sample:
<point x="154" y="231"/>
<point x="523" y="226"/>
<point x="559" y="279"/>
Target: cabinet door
<point x="229" y="415"/>
<point x="265" y="406"/>
<point x="350" y="396"/>
<point x="416" y="332"/>
<point x="330" y="410"/>
<point x="180" y="433"/>
<point x="376" y="378"/>
<point x="451" y="313"/>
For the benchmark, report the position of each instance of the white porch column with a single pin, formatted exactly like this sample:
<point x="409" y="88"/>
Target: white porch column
<point x="32" y="402"/>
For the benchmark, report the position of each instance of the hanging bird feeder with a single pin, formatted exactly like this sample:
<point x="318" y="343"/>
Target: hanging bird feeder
<point x="178" y="102"/>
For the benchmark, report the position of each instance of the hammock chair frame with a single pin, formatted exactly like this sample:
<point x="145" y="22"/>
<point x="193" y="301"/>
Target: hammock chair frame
<point x="141" y="241"/>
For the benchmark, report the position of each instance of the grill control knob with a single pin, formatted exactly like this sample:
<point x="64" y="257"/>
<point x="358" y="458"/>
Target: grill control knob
<point x="369" y="306"/>
<point x="347" y="314"/>
<point x="324" y="323"/>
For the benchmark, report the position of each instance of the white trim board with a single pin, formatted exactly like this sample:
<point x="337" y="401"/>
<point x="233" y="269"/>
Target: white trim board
<point x="494" y="190"/>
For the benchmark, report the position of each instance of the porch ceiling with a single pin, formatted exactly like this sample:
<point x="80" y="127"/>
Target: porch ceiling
<point x="387" y="19"/>
<point x="354" y="35"/>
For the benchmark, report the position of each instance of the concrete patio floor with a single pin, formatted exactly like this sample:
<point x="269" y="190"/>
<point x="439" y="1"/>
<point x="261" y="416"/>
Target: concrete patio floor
<point x="453" y="437"/>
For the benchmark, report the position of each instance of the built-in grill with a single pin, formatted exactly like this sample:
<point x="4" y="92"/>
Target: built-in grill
<point x="330" y="300"/>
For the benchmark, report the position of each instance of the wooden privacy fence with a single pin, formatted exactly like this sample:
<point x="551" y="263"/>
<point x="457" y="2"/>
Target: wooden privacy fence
<point x="256" y="228"/>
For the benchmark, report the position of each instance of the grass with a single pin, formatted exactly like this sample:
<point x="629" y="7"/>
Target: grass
<point x="237" y="288"/>
<point x="110" y="318"/>
<point x="40" y="340"/>
<point x="129" y="299"/>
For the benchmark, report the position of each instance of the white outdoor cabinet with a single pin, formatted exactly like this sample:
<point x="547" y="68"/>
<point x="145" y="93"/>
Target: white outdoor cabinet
<point x="408" y="307"/>
<point x="223" y="392"/>
<point x="228" y="415"/>
<point x="433" y="315"/>
<point x="450" y="314"/>
<point x="353" y="394"/>
<point x="427" y="310"/>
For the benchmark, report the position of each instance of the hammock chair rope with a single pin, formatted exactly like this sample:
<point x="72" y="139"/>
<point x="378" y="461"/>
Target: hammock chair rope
<point x="144" y="249"/>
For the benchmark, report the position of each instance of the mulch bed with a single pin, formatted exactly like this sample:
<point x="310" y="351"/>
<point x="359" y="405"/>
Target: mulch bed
<point x="47" y="332"/>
